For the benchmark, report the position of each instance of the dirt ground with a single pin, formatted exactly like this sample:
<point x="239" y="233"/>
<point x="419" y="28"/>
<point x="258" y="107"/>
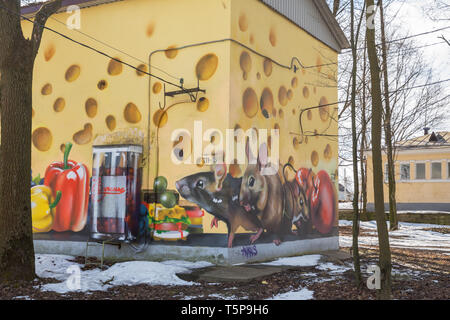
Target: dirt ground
<point x="417" y="274"/>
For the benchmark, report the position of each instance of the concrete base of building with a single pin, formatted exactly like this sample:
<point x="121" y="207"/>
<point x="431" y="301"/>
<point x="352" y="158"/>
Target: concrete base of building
<point x="217" y="255"/>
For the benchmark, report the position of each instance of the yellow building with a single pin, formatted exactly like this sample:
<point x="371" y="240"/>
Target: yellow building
<point x="227" y="64"/>
<point x="422" y="174"/>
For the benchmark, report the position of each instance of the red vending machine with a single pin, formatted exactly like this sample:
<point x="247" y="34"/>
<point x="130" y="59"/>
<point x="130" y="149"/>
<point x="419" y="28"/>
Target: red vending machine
<point x="115" y="192"/>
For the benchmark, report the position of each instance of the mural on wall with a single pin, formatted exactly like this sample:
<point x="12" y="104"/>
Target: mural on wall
<point x="220" y="204"/>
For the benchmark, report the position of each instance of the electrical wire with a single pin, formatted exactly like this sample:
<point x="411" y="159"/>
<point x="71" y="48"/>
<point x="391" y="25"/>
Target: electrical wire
<point x="404" y="38"/>
<point x="118" y="50"/>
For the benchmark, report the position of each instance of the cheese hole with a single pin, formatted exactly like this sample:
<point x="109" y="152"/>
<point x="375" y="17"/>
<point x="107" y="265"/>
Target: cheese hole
<point x="157" y="87"/>
<point x="324" y="109"/>
<point x="243" y="22"/>
<point x="59" y="104"/>
<point x="296" y="143"/>
<point x="319" y="64"/>
<point x="114" y="67"/>
<point x="250" y="103"/>
<point x="141" y="69"/>
<point x="267" y="66"/>
<point x="49" y="52"/>
<point x="83" y="136"/>
<point x="282" y="96"/>
<point x="290" y="94"/>
<point x="150" y="29"/>
<point x="202" y="104"/>
<point x="47" y="89"/>
<point x="258" y="76"/>
<point x="327" y="153"/>
<point x="309" y="114"/>
<point x="102" y="84"/>
<point x="160" y="118"/>
<point x="245" y="62"/>
<point x="273" y="37"/>
<point x="294" y="82"/>
<point x="305" y="92"/>
<point x="62" y="147"/>
<point x="73" y="73"/>
<point x="42" y="139"/>
<point x="314" y="158"/>
<point x="91" y="107"/>
<point x="171" y="52"/>
<point x="206" y="66"/>
<point x="281" y="114"/>
<point x="266" y="102"/>
<point x="252" y="39"/>
<point x="131" y="113"/>
<point x="110" y="122"/>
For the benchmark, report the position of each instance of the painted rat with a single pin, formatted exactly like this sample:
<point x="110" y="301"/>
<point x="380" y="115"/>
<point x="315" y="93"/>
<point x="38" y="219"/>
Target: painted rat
<point x="218" y="193"/>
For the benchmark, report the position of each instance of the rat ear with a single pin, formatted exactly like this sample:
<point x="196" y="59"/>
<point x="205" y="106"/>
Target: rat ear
<point x="248" y="152"/>
<point x="220" y="172"/>
<point x="262" y="156"/>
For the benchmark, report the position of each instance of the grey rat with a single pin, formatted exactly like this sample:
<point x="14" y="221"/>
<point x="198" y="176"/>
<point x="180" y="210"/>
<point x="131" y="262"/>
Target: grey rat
<point x="218" y="193"/>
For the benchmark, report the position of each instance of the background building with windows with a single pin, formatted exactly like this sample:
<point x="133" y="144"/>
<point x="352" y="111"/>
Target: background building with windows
<point x="422" y="173"/>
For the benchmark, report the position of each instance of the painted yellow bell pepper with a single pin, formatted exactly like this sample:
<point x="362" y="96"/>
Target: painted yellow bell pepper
<point x="42" y="206"/>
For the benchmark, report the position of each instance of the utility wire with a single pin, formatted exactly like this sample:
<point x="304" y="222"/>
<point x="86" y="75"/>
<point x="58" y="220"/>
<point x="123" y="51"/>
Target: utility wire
<point x="404" y="38"/>
<point x="91" y="48"/>
<point x="118" y="50"/>
<point x="290" y="67"/>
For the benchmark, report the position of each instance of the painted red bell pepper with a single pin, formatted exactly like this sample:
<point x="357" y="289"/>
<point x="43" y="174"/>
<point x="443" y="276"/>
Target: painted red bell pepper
<point x="72" y="179"/>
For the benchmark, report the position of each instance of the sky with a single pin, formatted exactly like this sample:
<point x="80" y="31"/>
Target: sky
<point x="412" y="19"/>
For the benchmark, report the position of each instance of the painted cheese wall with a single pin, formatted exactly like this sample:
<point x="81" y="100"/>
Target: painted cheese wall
<point x="86" y="98"/>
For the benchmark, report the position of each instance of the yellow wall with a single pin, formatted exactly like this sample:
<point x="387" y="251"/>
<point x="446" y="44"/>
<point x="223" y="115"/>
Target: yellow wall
<point x="139" y="27"/>
<point x="415" y="191"/>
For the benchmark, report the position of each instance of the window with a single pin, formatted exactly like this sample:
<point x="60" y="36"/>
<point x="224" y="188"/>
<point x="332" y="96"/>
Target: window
<point x="420" y="171"/>
<point x="436" y="170"/>
<point x="404" y="172"/>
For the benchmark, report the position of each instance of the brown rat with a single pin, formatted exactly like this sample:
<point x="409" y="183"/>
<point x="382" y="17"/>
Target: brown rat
<point x="262" y="194"/>
<point x="297" y="206"/>
<point x="218" y="193"/>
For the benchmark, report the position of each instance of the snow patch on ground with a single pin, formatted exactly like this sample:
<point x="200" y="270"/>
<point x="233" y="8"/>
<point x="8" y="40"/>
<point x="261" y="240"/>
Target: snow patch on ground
<point x="332" y="268"/>
<point x="302" y="294"/>
<point x="124" y="273"/>
<point x="300" y="261"/>
<point x="409" y="235"/>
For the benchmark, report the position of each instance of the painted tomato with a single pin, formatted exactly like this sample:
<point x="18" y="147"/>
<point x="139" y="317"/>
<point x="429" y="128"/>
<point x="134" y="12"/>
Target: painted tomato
<point x="323" y="202"/>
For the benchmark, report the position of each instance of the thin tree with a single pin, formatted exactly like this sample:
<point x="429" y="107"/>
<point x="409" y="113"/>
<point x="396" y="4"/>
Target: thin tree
<point x="393" y="220"/>
<point x="377" y="114"/>
<point x="355" y="229"/>
<point x="17" y="55"/>
<point x="336" y="4"/>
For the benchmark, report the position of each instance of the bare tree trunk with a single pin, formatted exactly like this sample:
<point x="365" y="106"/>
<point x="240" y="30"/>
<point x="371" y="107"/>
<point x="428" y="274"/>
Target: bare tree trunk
<point x="393" y="221"/>
<point x="17" y="56"/>
<point x="355" y="228"/>
<point x="377" y="112"/>
<point x="336" y="5"/>
<point x="363" y="139"/>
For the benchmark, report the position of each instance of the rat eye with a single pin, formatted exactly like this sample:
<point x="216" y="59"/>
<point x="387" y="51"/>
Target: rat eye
<point x="200" y="184"/>
<point x="301" y="202"/>
<point x="251" y="181"/>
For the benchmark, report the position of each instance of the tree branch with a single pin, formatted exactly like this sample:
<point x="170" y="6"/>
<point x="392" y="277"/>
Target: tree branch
<point x="43" y="14"/>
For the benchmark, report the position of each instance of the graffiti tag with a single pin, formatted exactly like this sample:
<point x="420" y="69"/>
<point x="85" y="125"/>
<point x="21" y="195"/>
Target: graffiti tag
<point x="249" y="252"/>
